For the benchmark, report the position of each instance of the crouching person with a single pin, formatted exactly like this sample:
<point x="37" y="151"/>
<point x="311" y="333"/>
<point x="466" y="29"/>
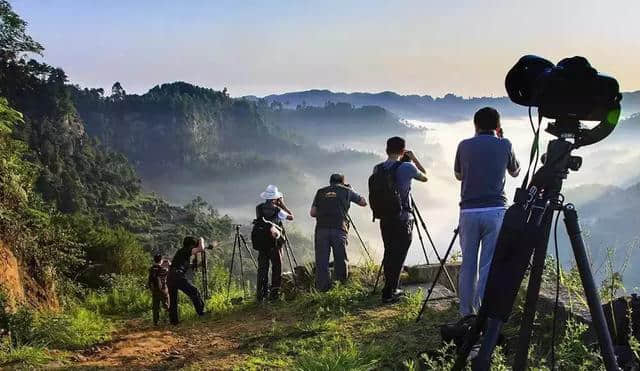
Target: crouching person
<point x="267" y="237"/>
<point x="157" y="283"/>
<point x="330" y="207"/>
<point x="177" y="278"/>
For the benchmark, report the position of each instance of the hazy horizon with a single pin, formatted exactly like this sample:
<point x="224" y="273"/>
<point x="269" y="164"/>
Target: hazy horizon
<point x="259" y="49"/>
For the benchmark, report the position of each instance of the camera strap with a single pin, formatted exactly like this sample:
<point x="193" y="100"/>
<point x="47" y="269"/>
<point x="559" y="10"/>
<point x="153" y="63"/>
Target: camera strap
<point x="534" y="149"/>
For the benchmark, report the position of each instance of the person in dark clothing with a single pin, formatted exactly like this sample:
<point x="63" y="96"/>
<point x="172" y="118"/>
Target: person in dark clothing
<point x="397" y="231"/>
<point x="157" y="283"/>
<point x="274" y="211"/>
<point x="177" y="279"/>
<point x="330" y="207"/>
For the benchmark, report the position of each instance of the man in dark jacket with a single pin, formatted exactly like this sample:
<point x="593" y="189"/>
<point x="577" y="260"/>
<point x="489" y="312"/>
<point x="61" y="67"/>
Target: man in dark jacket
<point x="157" y="283"/>
<point x="330" y="207"/>
<point x="177" y="279"/>
<point x="272" y="211"/>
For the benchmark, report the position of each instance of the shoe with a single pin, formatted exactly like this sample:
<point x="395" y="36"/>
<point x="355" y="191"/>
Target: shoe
<point x="400" y="293"/>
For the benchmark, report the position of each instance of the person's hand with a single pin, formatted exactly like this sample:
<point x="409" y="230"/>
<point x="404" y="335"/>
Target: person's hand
<point x="500" y="132"/>
<point x="410" y="154"/>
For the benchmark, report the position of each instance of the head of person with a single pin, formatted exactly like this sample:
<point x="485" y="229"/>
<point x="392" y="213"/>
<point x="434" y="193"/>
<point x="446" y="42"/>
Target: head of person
<point x="336" y="179"/>
<point x="396" y="146"/>
<point x="189" y="242"/>
<point x="157" y="258"/>
<point x="486" y="119"/>
<point x="271" y="194"/>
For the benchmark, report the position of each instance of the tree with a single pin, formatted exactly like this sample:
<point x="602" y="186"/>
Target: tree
<point x="118" y="92"/>
<point x="13" y="34"/>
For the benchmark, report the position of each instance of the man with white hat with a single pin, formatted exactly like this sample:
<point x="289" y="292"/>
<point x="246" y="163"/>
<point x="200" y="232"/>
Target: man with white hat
<point x="272" y="211"/>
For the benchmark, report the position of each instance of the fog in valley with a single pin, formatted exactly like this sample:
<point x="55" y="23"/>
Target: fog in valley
<point x="610" y="165"/>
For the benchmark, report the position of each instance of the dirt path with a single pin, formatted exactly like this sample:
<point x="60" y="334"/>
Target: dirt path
<point x="142" y="346"/>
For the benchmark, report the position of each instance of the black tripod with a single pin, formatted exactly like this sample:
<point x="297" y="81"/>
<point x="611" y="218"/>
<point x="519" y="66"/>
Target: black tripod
<point x="345" y="212"/>
<point x="239" y="243"/>
<point x="417" y="217"/>
<point x="442" y="268"/>
<point x="288" y="250"/>
<point x="525" y="231"/>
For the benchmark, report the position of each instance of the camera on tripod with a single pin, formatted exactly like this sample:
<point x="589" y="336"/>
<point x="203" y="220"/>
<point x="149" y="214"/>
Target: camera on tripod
<point x="567" y="92"/>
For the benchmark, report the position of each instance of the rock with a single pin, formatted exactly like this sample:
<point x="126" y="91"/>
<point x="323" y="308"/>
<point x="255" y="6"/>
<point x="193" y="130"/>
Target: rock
<point x="427" y="272"/>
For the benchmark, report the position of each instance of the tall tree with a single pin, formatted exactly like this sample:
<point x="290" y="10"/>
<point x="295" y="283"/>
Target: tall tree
<point x="117" y="91"/>
<point x="13" y="34"/>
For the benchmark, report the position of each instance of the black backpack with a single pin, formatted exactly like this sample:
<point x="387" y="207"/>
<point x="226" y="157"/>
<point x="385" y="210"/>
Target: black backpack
<point x="261" y="238"/>
<point x="384" y="197"/>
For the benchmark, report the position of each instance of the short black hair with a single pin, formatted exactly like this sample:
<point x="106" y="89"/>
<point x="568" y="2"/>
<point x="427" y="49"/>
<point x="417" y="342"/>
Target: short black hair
<point x="395" y="145"/>
<point x="336" y="179"/>
<point x="157" y="258"/>
<point x="189" y="242"/>
<point x="487" y="118"/>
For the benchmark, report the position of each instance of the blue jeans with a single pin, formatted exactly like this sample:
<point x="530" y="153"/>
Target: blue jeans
<point x="477" y="228"/>
<point x="327" y="240"/>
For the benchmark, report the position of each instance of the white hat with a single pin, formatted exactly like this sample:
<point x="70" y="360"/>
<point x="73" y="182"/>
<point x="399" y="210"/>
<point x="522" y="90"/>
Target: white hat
<point x="271" y="193"/>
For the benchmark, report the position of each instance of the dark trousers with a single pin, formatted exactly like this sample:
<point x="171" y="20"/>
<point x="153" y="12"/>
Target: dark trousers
<point x="159" y="298"/>
<point x="396" y="235"/>
<point x="271" y="256"/>
<point x="177" y="281"/>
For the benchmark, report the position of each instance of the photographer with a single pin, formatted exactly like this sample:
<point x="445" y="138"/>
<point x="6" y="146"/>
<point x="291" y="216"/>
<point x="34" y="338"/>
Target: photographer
<point x="330" y="207"/>
<point x="481" y="163"/>
<point x="177" y="279"/>
<point x="273" y="212"/>
<point x="401" y="167"/>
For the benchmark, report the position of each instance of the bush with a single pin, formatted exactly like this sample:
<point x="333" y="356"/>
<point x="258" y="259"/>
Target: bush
<point x="75" y="329"/>
<point x="127" y="294"/>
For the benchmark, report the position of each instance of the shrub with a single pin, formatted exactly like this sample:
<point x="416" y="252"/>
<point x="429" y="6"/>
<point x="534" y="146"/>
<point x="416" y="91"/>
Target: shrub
<point x="126" y="294"/>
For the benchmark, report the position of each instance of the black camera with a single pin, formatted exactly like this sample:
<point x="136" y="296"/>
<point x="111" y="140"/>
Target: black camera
<point x="572" y="89"/>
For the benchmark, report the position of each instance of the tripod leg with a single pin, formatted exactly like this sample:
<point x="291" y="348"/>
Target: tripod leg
<point x="253" y="259"/>
<point x="442" y="268"/>
<point x="426" y="231"/>
<point x="233" y="257"/>
<point x="244" y="289"/>
<point x="426" y="258"/>
<point x="590" y="290"/>
<point x="533" y="291"/>
<point x="293" y="270"/>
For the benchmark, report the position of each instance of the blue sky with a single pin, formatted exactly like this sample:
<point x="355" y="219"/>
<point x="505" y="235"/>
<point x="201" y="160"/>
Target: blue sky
<point x="262" y="47"/>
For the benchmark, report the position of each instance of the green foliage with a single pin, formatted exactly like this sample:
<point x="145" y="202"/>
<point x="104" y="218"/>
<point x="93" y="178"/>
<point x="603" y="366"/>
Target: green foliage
<point x="23" y="355"/>
<point x="126" y="295"/>
<point x="13" y="35"/>
<point x="334" y="354"/>
<point x="572" y="353"/>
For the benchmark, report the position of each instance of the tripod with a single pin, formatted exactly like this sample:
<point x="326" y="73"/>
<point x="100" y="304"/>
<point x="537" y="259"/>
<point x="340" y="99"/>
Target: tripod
<point x="440" y="270"/>
<point x="290" y="257"/>
<point x="417" y="217"/>
<point x="238" y="243"/>
<point x="350" y="221"/>
<point x="525" y="231"/>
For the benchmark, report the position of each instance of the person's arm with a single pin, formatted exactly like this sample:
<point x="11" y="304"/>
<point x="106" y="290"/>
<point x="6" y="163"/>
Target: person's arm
<point x="357" y="199"/>
<point x="421" y="173"/>
<point x="514" y="166"/>
<point x="314" y="207"/>
<point x="457" y="168"/>
<point x="199" y="247"/>
<point x="280" y="203"/>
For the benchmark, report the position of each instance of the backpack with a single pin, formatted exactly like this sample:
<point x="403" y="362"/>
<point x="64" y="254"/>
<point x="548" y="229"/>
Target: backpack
<point x="384" y="197"/>
<point x="261" y="238"/>
<point x="158" y="278"/>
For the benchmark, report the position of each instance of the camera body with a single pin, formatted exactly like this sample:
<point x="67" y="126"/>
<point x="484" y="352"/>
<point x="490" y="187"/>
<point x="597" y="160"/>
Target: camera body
<point x="571" y="89"/>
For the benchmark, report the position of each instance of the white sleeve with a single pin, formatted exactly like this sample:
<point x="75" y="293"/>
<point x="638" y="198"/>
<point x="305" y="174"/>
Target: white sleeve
<point x="283" y="215"/>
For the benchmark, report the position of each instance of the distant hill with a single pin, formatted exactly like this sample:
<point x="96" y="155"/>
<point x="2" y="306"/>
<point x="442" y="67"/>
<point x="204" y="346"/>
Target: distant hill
<point x="449" y="108"/>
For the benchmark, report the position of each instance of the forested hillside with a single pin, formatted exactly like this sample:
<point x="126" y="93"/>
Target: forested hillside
<point x="448" y="108"/>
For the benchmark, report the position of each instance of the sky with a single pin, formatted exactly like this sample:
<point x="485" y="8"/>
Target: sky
<point x="262" y="47"/>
